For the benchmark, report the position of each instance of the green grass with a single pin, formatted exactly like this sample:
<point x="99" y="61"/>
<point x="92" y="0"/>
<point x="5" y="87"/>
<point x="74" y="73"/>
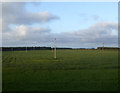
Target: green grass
<point x="73" y="70"/>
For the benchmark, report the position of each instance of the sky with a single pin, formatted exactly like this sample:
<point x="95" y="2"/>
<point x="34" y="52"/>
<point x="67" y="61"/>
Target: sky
<point x="73" y="24"/>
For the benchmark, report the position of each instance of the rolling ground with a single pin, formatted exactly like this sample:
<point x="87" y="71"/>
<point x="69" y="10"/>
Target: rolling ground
<point x="73" y="70"/>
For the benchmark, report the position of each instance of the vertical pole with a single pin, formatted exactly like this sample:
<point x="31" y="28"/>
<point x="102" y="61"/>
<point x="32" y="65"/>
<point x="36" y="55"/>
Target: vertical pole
<point x="103" y="47"/>
<point x="33" y="45"/>
<point x="55" y="48"/>
<point x="12" y="50"/>
<point x="52" y="49"/>
<point x="26" y="47"/>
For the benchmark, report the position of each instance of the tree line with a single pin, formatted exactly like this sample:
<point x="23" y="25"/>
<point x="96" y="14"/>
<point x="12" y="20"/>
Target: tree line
<point x="28" y="48"/>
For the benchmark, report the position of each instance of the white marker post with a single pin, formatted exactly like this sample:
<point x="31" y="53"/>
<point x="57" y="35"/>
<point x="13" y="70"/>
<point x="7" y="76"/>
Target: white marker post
<point x="55" y="48"/>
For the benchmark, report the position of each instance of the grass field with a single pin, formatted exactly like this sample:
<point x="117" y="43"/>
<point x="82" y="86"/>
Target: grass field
<point x="73" y="70"/>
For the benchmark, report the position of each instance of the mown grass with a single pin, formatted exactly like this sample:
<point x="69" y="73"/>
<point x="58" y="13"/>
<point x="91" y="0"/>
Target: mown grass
<point x="73" y="70"/>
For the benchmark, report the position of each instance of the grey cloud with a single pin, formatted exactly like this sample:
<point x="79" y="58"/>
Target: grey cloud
<point x="93" y="36"/>
<point x="24" y="32"/>
<point x="15" y="13"/>
<point x="98" y="33"/>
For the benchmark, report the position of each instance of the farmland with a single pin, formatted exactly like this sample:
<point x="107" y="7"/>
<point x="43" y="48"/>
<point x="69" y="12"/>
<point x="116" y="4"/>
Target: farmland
<point x="73" y="70"/>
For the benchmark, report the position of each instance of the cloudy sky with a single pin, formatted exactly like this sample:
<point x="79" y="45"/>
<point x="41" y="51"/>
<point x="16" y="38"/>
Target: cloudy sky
<point x="74" y="24"/>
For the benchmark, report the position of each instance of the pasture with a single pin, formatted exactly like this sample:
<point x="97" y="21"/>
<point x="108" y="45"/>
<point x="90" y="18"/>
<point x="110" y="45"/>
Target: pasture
<point x="73" y="70"/>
